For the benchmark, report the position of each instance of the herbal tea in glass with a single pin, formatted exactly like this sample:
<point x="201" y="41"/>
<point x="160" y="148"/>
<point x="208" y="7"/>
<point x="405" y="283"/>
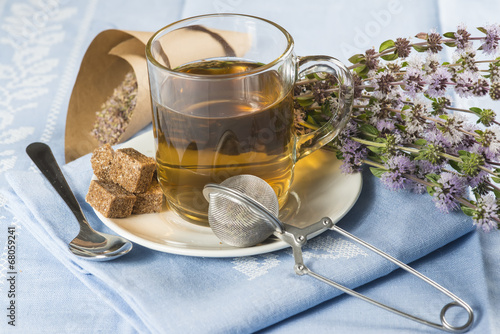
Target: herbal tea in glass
<point x="222" y="127"/>
<point x="223" y="105"/>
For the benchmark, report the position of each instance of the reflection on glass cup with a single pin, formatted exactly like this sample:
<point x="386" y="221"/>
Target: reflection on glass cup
<point x="222" y="93"/>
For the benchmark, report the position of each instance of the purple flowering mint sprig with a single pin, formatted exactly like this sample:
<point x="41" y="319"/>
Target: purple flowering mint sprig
<point x="407" y="128"/>
<point x="485" y="212"/>
<point x="398" y="167"/>
<point x="447" y="189"/>
<point x="490" y="43"/>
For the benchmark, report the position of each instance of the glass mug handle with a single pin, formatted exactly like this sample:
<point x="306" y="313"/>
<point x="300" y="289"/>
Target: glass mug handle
<point x="310" y="142"/>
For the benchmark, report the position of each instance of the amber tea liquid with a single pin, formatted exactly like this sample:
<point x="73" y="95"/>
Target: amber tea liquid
<point x="217" y="128"/>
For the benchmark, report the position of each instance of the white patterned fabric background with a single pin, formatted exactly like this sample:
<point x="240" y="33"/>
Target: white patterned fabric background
<point x="42" y="43"/>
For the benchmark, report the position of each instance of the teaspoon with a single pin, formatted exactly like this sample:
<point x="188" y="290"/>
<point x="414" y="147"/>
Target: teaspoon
<point x="88" y="244"/>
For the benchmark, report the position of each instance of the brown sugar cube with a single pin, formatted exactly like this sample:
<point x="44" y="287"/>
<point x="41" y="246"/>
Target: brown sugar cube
<point x="132" y="170"/>
<point x="110" y="199"/>
<point x="101" y="161"/>
<point x="149" y="201"/>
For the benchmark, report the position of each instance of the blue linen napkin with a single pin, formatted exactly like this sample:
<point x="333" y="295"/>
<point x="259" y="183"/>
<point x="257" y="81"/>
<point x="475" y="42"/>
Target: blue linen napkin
<point x="159" y="292"/>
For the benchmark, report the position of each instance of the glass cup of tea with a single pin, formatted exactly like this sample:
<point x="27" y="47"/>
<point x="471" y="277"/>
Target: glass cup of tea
<point x="222" y="89"/>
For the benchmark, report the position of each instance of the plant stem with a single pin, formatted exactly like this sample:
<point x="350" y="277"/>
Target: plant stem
<point x="492" y="185"/>
<point x="468" y="111"/>
<point x="373" y="163"/>
<point x="459" y="109"/>
<point x="418" y="180"/>
<point x="417" y="150"/>
<point x="465" y="202"/>
<point x="435" y="121"/>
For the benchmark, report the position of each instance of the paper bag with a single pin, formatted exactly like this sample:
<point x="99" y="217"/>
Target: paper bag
<point x="110" y="56"/>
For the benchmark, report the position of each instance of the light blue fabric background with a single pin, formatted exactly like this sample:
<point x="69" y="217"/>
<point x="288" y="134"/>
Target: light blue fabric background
<point x="34" y="93"/>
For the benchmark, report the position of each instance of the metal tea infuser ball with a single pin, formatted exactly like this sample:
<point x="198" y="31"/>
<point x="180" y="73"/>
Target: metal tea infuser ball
<point x="243" y="212"/>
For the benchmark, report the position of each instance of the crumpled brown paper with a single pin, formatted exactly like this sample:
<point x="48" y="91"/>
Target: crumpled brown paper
<point x="109" y="57"/>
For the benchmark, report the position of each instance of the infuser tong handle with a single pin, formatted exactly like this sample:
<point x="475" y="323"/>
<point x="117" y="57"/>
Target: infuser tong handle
<point x="297" y="238"/>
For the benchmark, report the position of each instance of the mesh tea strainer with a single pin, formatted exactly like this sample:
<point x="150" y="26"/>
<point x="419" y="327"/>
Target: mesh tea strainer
<point x="243" y="211"/>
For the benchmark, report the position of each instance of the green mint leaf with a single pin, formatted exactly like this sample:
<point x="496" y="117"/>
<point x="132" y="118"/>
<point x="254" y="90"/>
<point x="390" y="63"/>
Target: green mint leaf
<point x="357" y="58"/>
<point x="433" y="99"/>
<point x="420" y="48"/>
<point x="431" y="190"/>
<point x="360" y="69"/>
<point x="370" y="129"/>
<point x="386" y="45"/>
<point x="449" y="35"/>
<point x="377" y="171"/>
<point x="468" y="211"/>
<point x="455" y="165"/>
<point x="432" y="177"/>
<point x="420" y="142"/>
<point x="317" y="76"/>
<point x="375" y="149"/>
<point x="305" y="102"/>
<point x="401" y="127"/>
<point x="495" y="179"/>
<point x="389" y="57"/>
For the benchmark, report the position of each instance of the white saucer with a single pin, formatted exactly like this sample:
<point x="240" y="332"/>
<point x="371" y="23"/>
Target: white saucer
<point x="319" y="190"/>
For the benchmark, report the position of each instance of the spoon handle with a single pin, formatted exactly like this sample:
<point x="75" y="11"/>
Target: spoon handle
<point x="42" y="156"/>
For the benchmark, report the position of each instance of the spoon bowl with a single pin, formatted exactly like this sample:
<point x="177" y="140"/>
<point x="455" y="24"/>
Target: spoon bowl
<point x="98" y="246"/>
<point x="88" y="244"/>
<point x="113" y="248"/>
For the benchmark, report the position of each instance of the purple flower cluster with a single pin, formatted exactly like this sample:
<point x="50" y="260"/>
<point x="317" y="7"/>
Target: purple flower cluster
<point x="434" y="42"/>
<point x="490" y="45"/>
<point x="397" y="166"/>
<point x="485" y="216"/>
<point x="451" y="129"/>
<point x="438" y="82"/>
<point x="475" y="181"/>
<point x="451" y="186"/>
<point x="414" y="119"/>
<point x="352" y="151"/>
<point x="413" y="82"/>
<point x="353" y="154"/>
<point x="462" y="37"/>
<point x="465" y="57"/>
<point x="423" y="167"/>
<point x="436" y="137"/>
<point x="383" y="84"/>
<point x="464" y="83"/>
<point x="491" y="144"/>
